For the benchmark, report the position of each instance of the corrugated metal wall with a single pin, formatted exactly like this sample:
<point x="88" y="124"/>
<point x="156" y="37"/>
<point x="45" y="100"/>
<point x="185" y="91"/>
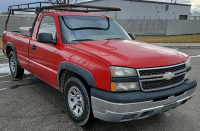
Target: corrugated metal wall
<point x="183" y="27"/>
<point x="143" y="10"/>
<point x="144" y="27"/>
<point x="161" y="27"/>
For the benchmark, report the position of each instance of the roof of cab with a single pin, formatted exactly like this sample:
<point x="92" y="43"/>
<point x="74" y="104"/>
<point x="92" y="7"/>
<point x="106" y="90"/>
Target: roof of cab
<point x="78" y="14"/>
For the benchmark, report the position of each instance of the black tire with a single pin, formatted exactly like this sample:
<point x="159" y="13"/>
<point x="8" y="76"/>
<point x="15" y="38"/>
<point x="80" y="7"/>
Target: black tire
<point x="15" y="69"/>
<point x="86" y="115"/>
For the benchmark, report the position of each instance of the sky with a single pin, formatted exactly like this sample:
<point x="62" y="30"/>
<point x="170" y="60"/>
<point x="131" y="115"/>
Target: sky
<point x="5" y="3"/>
<point x="195" y="3"/>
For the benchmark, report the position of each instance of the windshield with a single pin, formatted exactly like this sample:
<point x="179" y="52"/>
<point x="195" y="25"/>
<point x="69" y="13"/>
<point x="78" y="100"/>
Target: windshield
<point x="88" y="28"/>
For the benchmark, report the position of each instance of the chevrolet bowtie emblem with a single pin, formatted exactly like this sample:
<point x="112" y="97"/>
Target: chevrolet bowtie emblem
<point x="168" y="76"/>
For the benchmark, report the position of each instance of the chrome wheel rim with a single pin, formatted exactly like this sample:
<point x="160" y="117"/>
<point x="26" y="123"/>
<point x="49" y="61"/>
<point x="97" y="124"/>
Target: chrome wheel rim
<point x="12" y="64"/>
<point x="75" y="101"/>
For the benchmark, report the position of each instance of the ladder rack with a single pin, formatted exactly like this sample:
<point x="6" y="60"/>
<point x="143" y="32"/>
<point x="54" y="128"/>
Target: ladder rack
<point x="28" y="5"/>
<point x="62" y="7"/>
<point x="57" y="7"/>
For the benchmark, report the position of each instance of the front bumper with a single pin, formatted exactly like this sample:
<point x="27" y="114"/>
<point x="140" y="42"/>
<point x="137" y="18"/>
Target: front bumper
<point x="118" y="107"/>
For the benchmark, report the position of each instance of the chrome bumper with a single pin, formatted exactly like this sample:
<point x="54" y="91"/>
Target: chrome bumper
<point x="118" y="112"/>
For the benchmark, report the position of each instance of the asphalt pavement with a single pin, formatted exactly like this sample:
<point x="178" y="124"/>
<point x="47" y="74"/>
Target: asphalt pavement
<point x="29" y="104"/>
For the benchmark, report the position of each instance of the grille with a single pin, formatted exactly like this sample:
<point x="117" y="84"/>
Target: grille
<point x="150" y="72"/>
<point x="161" y="84"/>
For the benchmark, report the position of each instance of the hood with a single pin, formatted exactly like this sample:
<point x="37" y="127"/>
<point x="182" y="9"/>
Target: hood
<point x="129" y="53"/>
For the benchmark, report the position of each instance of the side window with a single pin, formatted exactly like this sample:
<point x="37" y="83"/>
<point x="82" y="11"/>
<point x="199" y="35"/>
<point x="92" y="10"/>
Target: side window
<point x="48" y="26"/>
<point x="166" y="7"/>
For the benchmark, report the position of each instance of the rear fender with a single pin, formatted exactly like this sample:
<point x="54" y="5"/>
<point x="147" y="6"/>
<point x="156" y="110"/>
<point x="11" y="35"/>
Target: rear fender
<point x="8" y="44"/>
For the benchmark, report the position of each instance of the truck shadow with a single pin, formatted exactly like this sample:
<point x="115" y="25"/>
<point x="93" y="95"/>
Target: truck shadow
<point x="124" y="126"/>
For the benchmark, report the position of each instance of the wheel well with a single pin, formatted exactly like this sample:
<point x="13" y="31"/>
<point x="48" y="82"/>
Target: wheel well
<point x="8" y="50"/>
<point x="66" y="74"/>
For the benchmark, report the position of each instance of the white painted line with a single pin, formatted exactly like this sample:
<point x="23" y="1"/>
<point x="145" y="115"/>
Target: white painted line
<point x="195" y="56"/>
<point x="168" y="114"/>
<point x="4" y="75"/>
<point x="4" y="82"/>
<point x="28" y="78"/>
<point x="4" y="65"/>
<point x="26" y="72"/>
<point x="3" y="89"/>
<point x="3" y="58"/>
<point x="5" y="70"/>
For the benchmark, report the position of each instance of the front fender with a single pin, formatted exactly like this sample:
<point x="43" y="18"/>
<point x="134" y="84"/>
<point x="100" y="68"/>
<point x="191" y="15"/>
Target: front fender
<point x="78" y="70"/>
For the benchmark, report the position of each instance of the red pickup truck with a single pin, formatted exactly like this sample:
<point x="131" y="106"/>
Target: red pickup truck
<point x="102" y="72"/>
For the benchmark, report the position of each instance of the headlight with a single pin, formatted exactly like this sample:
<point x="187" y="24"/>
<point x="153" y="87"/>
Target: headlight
<point x="188" y="63"/>
<point x="122" y="71"/>
<point x="188" y="68"/>
<point x="127" y="86"/>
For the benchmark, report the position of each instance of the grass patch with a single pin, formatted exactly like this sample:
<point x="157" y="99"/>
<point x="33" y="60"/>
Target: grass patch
<point x="170" y="39"/>
<point x="1" y="44"/>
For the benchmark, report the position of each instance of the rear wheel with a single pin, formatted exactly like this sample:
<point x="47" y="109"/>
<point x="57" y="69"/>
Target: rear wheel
<point x="77" y="101"/>
<point x="15" y="69"/>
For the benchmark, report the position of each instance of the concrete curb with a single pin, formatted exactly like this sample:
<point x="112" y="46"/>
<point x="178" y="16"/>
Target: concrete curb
<point x="3" y="57"/>
<point x="184" y="47"/>
<point x="180" y="45"/>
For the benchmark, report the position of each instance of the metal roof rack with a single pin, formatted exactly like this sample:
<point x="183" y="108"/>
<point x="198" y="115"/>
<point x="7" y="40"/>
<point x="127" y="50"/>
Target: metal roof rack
<point x="28" y="6"/>
<point x="62" y="7"/>
<point x="82" y="8"/>
<point x="54" y="6"/>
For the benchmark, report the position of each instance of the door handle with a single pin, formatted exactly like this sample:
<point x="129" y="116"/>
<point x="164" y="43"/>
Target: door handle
<point x="34" y="47"/>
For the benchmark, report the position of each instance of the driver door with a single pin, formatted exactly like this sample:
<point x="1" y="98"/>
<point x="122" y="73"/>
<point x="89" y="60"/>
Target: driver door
<point x="44" y="56"/>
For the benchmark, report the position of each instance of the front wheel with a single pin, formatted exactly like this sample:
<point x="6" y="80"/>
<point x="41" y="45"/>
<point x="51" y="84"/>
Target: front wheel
<point x="15" y="69"/>
<point x="77" y="101"/>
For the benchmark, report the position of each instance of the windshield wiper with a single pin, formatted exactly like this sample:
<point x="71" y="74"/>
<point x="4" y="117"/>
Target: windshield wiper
<point x="115" y="39"/>
<point x="92" y="28"/>
<point x="78" y="40"/>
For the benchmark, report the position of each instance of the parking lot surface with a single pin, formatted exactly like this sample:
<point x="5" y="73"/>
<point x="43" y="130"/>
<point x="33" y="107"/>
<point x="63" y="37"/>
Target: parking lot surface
<point x="32" y="105"/>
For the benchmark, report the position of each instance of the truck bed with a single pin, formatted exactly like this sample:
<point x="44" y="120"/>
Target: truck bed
<point x="21" y="44"/>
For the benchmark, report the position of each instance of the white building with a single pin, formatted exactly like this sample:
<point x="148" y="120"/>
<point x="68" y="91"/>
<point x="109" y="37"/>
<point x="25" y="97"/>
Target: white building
<point x="140" y="9"/>
<point x="195" y="17"/>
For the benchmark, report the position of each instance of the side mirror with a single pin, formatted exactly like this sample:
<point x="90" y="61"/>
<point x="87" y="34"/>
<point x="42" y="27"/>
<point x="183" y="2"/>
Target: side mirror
<point x="132" y="36"/>
<point x="46" y="38"/>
